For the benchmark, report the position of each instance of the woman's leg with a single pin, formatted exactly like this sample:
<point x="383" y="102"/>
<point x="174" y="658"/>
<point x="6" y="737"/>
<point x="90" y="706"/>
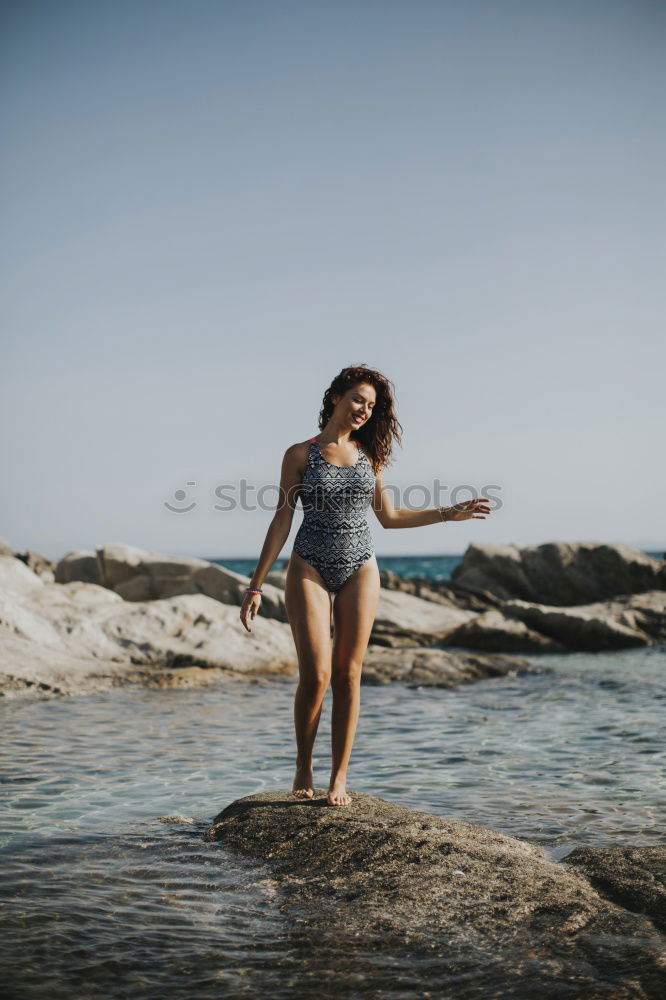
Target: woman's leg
<point x="354" y="610"/>
<point x="308" y="605"/>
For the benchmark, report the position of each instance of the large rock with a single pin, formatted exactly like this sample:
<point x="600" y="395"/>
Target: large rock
<point x="624" y="623"/>
<point x="559" y="573"/>
<point x="425" y="613"/>
<point x="477" y="911"/>
<point x="142" y="576"/>
<point x="493" y="631"/>
<point x="78" y="566"/>
<point x="138" y="575"/>
<point x="81" y="637"/>
<point x="520" y="627"/>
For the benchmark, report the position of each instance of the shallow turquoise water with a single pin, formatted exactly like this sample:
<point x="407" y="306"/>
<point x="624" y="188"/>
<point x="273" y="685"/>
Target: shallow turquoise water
<point x="102" y="897"/>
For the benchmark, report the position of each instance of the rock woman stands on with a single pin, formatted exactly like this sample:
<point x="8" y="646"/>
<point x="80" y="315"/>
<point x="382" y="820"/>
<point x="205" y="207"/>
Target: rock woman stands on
<point x="337" y="475"/>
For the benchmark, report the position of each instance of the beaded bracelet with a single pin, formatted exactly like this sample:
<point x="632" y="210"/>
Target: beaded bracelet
<point x="250" y="590"/>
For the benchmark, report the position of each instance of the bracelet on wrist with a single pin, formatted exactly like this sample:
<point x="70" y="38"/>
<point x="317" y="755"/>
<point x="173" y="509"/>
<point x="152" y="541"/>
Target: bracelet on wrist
<point x="441" y="513"/>
<point x="253" y="590"/>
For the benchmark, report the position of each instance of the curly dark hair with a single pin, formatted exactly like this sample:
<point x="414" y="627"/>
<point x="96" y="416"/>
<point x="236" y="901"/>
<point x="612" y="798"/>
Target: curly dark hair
<point x="383" y="428"/>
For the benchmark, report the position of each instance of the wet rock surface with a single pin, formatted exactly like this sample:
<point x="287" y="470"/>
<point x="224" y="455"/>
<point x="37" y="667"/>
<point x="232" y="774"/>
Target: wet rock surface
<point x="634" y="877"/>
<point x="489" y="913"/>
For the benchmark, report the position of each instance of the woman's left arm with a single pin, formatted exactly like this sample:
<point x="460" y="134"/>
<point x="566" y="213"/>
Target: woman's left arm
<point x="391" y="517"/>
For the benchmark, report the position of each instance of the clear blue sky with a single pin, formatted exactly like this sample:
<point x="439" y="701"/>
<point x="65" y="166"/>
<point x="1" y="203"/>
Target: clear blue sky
<point x="210" y="208"/>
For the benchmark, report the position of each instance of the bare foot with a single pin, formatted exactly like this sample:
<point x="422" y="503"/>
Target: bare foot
<point x="336" y="795"/>
<point x="303" y="787"/>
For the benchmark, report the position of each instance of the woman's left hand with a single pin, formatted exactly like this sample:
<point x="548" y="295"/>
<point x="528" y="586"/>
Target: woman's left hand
<point x="469" y="508"/>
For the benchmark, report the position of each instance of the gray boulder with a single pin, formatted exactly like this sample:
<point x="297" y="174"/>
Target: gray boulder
<point x="78" y="566"/>
<point x="624" y="623"/>
<point x="632" y="621"/>
<point x="493" y="631"/>
<point x="559" y="573"/>
<point x="138" y="575"/>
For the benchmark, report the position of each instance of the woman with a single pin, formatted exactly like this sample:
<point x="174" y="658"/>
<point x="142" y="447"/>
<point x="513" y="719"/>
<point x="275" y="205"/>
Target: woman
<point x="338" y="476"/>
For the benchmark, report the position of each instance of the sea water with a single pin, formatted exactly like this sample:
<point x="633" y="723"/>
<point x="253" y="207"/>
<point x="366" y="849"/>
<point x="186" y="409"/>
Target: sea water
<point x="109" y="889"/>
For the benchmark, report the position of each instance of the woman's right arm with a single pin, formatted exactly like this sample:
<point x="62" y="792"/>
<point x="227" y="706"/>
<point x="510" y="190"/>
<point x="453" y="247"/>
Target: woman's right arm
<point x="291" y="476"/>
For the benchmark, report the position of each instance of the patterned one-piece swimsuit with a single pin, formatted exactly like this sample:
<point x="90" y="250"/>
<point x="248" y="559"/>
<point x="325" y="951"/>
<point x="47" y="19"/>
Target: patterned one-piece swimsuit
<point x="335" y="535"/>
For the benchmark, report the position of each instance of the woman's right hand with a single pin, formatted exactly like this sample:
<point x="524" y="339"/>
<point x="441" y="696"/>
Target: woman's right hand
<point x="249" y="608"/>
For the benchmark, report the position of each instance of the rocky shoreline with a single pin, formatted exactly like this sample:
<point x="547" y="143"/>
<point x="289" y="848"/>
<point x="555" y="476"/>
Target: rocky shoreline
<point x="488" y="913"/>
<point x="474" y="902"/>
<point x="121" y="615"/>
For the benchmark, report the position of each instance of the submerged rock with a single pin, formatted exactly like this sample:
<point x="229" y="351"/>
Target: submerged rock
<point x="485" y="907"/>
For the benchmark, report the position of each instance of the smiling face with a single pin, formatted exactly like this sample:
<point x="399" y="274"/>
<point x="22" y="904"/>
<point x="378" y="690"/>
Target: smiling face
<point x="355" y="408"/>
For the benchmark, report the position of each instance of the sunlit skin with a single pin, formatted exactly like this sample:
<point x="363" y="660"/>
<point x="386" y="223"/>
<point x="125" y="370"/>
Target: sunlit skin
<point x="324" y="659"/>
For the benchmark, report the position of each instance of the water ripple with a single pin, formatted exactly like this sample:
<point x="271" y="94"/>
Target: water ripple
<point x="109" y="888"/>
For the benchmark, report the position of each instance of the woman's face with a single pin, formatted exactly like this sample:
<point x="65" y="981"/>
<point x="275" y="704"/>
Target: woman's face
<point x="355" y="408"/>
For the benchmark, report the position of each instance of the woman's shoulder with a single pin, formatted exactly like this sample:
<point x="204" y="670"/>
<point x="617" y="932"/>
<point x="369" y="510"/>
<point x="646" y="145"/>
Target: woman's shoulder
<point x="297" y="454"/>
<point x="300" y="448"/>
